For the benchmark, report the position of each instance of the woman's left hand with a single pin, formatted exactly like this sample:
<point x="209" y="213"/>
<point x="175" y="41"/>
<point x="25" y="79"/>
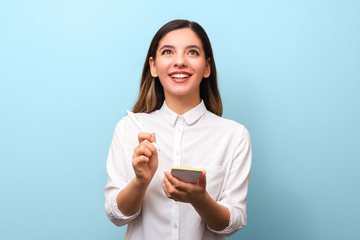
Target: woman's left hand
<point x="184" y="192"/>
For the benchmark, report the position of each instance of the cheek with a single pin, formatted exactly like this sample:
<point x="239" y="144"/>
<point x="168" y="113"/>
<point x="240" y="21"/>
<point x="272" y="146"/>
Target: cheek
<point x="198" y="66"/>
<point x="163" y="66"/>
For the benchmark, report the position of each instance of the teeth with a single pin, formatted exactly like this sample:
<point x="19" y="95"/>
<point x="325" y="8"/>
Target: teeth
<point x="180" y="75"/>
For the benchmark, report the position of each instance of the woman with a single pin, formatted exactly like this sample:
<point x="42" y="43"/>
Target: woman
<point x="180" y="102"/>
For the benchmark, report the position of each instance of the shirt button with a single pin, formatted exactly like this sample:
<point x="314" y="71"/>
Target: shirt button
<point x="175" y="226"/>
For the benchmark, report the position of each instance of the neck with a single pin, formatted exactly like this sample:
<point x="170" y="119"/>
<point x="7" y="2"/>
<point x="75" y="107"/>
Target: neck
<point x="182" y="104"/>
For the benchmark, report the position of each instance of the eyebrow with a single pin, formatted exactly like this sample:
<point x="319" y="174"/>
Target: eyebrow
<point x="187" y="47"/>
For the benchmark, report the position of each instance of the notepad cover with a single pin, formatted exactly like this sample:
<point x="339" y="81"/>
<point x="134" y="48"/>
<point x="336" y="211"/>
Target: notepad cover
<point x="188" y="175"/>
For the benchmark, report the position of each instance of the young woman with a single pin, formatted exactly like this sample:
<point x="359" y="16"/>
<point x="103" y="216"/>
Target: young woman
<point x="179" y="104"/>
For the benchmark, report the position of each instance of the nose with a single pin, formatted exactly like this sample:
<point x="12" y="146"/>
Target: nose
<point x="180" y="61"/>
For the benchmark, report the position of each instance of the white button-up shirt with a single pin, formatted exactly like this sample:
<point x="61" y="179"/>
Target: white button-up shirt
<point x="196" y="139"/>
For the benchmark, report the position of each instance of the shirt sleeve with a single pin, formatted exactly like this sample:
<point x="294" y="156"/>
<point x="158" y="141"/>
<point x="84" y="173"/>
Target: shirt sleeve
<point x="118" y="166"/>
<point x="235" y="191"/>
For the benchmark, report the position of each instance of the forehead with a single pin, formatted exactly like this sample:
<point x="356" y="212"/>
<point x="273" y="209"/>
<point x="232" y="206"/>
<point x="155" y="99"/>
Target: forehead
<point x="181" y="38"/>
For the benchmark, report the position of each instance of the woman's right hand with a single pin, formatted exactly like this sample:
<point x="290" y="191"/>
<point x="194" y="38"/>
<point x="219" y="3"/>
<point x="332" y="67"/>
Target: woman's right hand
<point x="145" y="158"/>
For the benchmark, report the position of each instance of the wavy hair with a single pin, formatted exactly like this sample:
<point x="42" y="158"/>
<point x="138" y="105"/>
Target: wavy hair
<point x="151" y="95"/>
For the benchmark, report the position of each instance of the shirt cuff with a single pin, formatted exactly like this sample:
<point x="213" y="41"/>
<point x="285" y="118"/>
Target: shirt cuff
<point x="236" y="222"/>
<point x="117" y="214"/>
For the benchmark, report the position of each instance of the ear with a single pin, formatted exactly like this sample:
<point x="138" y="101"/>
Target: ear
<point x="153" y="67"/>
<point x="207" y="71"/>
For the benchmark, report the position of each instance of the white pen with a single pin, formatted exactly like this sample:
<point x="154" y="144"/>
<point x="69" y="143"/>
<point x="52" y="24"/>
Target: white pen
<point x="139" y="125"/>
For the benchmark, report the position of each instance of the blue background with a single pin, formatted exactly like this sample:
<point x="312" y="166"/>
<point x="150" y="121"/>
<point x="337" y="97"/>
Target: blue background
<point x="288" y="70"/>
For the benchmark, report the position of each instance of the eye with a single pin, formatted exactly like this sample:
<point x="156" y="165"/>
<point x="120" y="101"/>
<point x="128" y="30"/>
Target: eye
<point x="166" y="52"/>
<point x="193" y="52"/>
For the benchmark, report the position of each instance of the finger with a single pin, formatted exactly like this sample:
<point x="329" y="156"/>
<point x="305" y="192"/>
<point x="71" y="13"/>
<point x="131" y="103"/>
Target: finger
<point x="173" y="188"/>
<point x="179" y="185"/>
<point x="140" y="160"/>
<point x="144" y="136"/>
<point x="149" y="145"/>
<point x="143" y="149"/>
<point x="167" y="183"/>
<point x="153" y="137"/>
<point x="152" y="140"/>
<point x="168" y="188"/>
<point x="174" y="192"/>
<point x="150" y="137"/>
<point x="202" y="179"/>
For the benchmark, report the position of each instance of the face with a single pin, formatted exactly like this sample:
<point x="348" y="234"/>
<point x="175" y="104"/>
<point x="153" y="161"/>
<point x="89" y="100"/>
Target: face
<point x="180" y="64"/>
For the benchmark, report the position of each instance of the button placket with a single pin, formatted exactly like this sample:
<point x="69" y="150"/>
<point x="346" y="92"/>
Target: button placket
<point x="179" y="128"/>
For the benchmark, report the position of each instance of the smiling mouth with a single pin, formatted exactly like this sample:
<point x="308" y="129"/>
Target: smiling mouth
<point x="180" y="76"/>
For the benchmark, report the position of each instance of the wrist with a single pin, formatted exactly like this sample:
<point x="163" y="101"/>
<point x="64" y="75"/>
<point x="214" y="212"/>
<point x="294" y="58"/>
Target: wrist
<point x="141" y="182"/>
<point x="202" y="202"/>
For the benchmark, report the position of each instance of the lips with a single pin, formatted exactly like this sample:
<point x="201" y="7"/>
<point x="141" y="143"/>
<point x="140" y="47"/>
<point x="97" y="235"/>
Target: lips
<point x="180" y="77"/>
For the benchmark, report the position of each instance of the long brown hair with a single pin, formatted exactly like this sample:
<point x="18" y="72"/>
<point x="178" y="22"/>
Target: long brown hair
<point x="151" y="96"/>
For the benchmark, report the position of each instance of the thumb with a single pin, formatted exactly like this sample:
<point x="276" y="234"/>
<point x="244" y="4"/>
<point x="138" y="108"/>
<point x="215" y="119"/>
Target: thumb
<point x="202" y="179"/>
<point x="153" y="137"/>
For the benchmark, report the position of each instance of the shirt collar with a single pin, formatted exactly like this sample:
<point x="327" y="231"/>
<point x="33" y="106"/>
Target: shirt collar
<point x="190" y="116"/>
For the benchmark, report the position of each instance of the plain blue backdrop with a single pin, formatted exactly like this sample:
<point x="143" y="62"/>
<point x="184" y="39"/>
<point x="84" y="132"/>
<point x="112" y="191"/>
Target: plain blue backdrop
<point x="288" y="70"/>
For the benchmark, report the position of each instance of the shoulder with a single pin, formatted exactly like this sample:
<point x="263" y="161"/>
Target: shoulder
<point x="226" y="125"/>
<point x="127" y="124"/>
<point x="126" y="121"/>
<point x="123" y="122"/>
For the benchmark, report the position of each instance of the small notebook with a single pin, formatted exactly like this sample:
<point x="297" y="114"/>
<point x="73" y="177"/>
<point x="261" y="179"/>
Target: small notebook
<point x="188" y="175"/>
